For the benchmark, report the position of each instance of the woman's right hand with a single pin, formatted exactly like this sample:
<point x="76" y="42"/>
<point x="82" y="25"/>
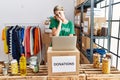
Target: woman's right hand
<point x="58" y="18"/>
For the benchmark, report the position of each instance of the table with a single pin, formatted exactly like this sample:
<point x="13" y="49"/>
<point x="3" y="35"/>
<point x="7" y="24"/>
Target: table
<point x="86" y="72"/>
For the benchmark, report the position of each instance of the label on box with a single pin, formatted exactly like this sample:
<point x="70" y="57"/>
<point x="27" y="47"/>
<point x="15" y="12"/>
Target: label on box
<point x="85" y="29"/>
<point x="85" y="23"/>
<point x="63" y="64"/>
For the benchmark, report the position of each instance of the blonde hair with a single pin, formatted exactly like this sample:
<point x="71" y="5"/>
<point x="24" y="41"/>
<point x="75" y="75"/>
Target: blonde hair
<point x="58" y="8"/>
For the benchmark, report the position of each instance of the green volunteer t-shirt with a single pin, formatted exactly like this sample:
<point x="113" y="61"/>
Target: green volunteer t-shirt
<point x="66" y="29"/>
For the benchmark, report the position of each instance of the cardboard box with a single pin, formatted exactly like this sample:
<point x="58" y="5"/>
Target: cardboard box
<point x="98" y="12"/>
<point x="81" y="1"/>
<point x="86" y="43"/>
<point x="73" y="77"/>
<point x="46" y="38"/>
<point x="63" y="62"/>
<point x="78" y="2"/>
<point x="83" y="59"/>
<point x="87" y="21"/>
<point x="78" y="18"/>
<point x="77" y="32"/>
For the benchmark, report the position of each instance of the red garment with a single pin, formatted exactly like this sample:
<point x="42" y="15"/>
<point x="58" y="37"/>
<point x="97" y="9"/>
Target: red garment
<point x="37" y="41"/>
<point x="27" y="42"/>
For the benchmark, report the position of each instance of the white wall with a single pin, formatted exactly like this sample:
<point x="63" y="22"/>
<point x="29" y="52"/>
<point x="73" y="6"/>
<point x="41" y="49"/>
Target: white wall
<point x="29" y="11"/>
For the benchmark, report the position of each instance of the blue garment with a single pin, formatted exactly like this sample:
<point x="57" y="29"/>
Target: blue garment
<point x="97" y="50"/>
<point x="15" y="36"/>
<point x="21" y="37"/>
<point x="15" y="44"/>
<point x="100" y="51"/>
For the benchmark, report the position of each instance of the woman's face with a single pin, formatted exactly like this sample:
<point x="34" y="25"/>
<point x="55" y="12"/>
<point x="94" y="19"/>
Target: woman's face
<point x="59" y="14"/>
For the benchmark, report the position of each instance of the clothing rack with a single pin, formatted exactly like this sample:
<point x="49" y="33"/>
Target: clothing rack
<point x="25" y="25"/>
<point x="22" y="24"/>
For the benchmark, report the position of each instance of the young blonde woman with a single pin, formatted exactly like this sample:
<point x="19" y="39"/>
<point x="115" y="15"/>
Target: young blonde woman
<point x="59" y="24"/>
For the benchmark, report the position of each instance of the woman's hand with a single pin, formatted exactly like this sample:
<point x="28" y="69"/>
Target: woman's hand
<point x="58" y="18"/>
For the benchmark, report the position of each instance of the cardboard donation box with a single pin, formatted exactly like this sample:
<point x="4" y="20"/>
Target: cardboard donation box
<point x="63" y="62"/>
<point x="86" y="43"/>
<point x="98" y="21"/>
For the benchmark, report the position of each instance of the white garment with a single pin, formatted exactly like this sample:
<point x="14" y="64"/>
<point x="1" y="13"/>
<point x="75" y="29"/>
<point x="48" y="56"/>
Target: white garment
<point x="31" y="41"/>
<point x="10" y="48"/>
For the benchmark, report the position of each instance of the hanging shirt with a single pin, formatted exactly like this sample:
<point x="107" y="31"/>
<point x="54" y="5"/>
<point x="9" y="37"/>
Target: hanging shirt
<point x="15" y="43"/>
<point x="66" y="29"/>
<point x="9" y="38"/>
<point x="40" y="39"/>
<point x="27" y="42"/>
<point x="31" y="41"/>
<point x="37" y="41"/>
<point x="21" y="37"/>
<point x="4" y="38"/>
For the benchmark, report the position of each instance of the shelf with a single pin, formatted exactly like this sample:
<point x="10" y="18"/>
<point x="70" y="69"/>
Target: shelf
<point x="87" y="4"/>
<point x="86" y="55"/>
<point x="84" y="52"/>
<point x="100" y="37"/>
<point x="83" y="7"/>
<point x="96" y="37"/>
<point x="78" y="27"/>
<point x="78" y="42"/>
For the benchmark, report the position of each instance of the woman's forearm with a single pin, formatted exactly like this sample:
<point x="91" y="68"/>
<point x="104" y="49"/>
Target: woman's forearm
<point x="56" y="31"/>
